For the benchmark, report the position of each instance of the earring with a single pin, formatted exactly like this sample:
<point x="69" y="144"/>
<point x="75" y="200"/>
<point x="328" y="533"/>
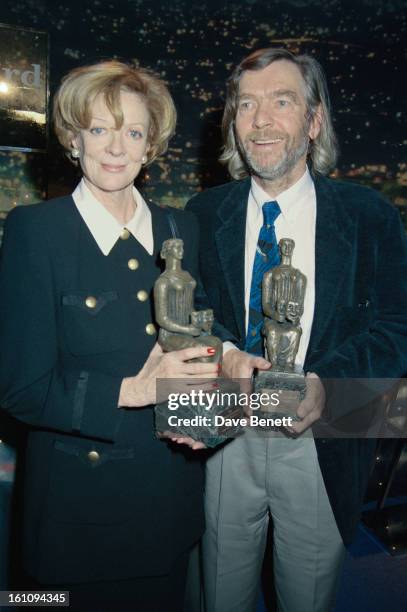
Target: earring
<point x="75" y="153"/>
<point x="144" y="159"/>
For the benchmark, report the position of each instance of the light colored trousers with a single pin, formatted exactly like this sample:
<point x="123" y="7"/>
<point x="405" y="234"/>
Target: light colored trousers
<point x="248" y="480"/>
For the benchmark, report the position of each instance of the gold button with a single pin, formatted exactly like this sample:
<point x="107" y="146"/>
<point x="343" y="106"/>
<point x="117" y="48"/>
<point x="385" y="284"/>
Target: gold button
<point x="125" y="234"/>
<point x="254" y="332"/>
<point x="133" y="264"/>
<point x="93" y="456"/>
<point x="142" y="295"/>
<point x="150" y="329"/>
<point x="91" y="301"/>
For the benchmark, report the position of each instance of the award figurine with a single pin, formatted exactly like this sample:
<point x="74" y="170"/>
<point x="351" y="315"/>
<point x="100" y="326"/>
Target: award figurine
<point x="182" y="327"/>
<point x="283" y="293"/>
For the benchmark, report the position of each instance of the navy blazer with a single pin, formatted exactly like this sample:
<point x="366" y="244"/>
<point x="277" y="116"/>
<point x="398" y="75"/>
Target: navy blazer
<point x="360" y="321"/>
<point x="104" y="499"/>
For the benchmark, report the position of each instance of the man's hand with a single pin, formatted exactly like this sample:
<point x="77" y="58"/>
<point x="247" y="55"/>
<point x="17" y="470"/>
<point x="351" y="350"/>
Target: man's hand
<point x="312" y="405"/>
<point x="238" y="364"/>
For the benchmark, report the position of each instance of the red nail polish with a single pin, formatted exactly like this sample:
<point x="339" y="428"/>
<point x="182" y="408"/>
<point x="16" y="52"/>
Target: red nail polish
<point x="211" y="351"/>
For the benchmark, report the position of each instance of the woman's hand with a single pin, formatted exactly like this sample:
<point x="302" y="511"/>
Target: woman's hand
<point x="141" y="390"/>
<point x="185" y="440"/>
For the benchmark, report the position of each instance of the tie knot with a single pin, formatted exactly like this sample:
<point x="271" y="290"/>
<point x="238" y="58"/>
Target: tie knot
<point x="271" y="210"/>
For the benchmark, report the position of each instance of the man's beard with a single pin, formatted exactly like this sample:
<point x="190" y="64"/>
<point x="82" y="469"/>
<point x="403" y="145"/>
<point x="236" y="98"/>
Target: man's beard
<point x="278" y="169"/>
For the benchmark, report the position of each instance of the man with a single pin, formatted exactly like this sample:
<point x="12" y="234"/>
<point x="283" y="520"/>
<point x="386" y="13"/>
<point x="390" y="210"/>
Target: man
<point x="350" y="245"/>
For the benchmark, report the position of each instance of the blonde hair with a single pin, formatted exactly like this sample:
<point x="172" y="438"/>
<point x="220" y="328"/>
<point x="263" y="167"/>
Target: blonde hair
<point x="323" y="151"/>
<point x="79" y="88"/>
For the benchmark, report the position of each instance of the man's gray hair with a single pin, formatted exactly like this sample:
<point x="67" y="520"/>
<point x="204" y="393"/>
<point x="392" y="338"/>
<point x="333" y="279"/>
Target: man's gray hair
<point x="323" y="150"/>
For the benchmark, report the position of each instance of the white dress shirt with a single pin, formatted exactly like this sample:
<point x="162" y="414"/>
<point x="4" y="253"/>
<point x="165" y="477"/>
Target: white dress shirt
<point x="105" y="228"/>
<point x="297" y="221"/>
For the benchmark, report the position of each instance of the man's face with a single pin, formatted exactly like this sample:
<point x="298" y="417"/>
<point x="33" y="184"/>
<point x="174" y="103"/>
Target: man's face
<point x="271" y="125"/>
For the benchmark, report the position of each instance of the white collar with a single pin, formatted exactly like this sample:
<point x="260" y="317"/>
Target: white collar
<point x="104" y="228"/>
<point x="288" y="200"/>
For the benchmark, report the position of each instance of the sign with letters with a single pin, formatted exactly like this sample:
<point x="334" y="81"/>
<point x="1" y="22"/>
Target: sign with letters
<point x="23" y="89"/>
<point x="23" y="117"/>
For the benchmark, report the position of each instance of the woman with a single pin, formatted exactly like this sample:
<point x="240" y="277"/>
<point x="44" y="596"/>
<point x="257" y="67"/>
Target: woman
<point x="110" y="512"/>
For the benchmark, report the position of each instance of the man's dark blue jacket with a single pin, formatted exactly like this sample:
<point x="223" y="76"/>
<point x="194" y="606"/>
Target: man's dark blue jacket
<point x="359" y="328"/>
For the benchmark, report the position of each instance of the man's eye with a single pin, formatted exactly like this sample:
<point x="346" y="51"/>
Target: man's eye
<point x="282" y="103"/>
<point x="245" y="105"/>
<point x="96" y="130"/>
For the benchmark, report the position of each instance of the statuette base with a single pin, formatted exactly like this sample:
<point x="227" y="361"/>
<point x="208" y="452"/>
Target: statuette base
<point x="291" y="389"/>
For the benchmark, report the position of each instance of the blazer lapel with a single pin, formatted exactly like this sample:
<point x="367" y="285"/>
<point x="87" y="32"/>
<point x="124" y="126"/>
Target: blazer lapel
<point x="333" y="258"/>
<point x="333" y="253"/>
<point x="230" y="242"/>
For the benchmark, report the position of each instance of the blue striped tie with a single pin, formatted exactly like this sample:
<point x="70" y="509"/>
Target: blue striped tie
<point x="267" y="256"/>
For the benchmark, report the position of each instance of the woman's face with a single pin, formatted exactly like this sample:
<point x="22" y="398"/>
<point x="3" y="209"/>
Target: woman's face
<point x="111" y="158"/>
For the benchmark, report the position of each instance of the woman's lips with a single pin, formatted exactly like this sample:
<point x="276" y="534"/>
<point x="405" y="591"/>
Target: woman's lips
<point x="112" y="168"/>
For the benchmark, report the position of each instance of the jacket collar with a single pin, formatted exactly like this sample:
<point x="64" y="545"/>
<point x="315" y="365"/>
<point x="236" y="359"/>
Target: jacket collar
<point x="230" y="242"/>
<point x="103" y="226"/>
